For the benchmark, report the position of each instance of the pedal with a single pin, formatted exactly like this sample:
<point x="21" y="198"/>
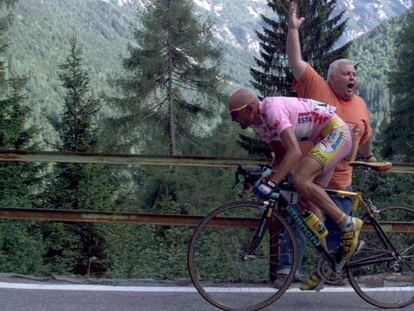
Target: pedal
<point x="339" y="267"/>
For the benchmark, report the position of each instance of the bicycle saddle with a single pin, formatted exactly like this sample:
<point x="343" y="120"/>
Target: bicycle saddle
<point x="376" y="166"/>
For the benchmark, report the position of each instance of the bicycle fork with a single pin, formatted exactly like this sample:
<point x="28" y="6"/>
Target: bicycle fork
<point x="260" y="232"/>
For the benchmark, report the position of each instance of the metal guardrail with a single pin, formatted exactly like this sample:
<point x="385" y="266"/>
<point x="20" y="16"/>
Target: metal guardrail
<point x="121" y="218"/>
<point x="125" y="159"/>
<point x="116" y="159"/>
<point x="131" y="159"/>
<point x="135" y="159"/>
<point x="155" y="219"/>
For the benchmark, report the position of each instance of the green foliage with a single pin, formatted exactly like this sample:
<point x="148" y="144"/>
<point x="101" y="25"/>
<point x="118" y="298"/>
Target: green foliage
<point x="40" y="32"/>
<point x="173" y="77"/>
<point x="399" y="133"/>
<point x="172" y="86"/>
<point x="77" y="129"/>
<point x="75" y="186"/>
<point x="20" y="246"/>
<point x="7" y="3"/>
<point x="19" y="182"/>
<point x="374" y="55"/>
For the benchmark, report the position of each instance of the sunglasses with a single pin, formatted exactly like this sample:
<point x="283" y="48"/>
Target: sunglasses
<point x="234" y="112"/>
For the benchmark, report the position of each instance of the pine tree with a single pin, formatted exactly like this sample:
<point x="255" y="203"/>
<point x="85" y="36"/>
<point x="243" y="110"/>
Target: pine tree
<point x="78" y="186"/>
<point x="171" y="89"/>
<point x="398" y="137"/>
<point x="20" y="242"/>
<point x="318" y="36"/>
<point x="173" y="79"/>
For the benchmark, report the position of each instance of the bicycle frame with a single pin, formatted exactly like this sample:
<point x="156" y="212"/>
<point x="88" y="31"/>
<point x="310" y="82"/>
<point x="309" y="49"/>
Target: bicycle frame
<point x="370" y="210"/>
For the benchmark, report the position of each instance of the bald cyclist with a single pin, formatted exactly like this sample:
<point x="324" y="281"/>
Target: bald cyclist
<point x="288" y="120"/>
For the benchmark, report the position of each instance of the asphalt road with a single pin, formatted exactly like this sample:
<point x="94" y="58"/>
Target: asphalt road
<point x="49" y="300"/>
<point x="38" y="295"/>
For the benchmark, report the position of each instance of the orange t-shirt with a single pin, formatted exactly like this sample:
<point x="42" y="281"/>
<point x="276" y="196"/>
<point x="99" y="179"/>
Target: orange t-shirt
<point x="354" y="112"/>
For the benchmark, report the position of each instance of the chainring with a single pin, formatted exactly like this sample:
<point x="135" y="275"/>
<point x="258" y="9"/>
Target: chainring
<point x="326" y="271"/>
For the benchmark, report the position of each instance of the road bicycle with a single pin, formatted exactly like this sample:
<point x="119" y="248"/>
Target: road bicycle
<point x="234" y="251"/>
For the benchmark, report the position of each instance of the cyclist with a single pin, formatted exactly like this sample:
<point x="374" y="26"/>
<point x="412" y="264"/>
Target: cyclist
<point x="288" y="120"/>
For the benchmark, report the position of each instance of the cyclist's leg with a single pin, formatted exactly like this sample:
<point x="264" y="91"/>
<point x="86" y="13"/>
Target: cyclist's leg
<point x="314" y="209"/>
<point x="310" y="191"/>
<point x="302" y="179"/>
<point x="285" y="258"/>
<point x="335" y="146"/>
<point x="333" y="239"/>
<point x="314" y="280"/>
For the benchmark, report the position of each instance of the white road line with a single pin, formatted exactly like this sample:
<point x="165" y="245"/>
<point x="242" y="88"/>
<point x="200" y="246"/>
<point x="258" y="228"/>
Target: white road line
<point x="175" y="289"/>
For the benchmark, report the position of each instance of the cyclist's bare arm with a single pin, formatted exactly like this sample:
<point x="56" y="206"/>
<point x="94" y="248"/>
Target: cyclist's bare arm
<point x="291" y="158"/>
<point x="278" y="152"/>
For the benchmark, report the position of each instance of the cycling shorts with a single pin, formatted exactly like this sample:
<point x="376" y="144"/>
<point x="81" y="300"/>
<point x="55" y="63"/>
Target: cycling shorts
<point x="335" y="144"/>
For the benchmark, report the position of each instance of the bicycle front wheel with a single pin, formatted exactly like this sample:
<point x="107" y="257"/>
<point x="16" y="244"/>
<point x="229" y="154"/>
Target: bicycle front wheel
<point x="383" y="272"/>
<point x="221" y="270"/>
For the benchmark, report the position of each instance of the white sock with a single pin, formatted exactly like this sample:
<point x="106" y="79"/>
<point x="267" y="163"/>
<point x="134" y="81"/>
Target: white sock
<point x="347" y="224"/>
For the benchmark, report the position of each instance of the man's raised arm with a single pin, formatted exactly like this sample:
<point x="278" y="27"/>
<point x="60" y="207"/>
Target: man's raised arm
<point x="297" y="64"/>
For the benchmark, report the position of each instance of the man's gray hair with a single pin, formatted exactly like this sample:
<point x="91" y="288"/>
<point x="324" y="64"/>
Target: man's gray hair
<point x="334" y="65"/>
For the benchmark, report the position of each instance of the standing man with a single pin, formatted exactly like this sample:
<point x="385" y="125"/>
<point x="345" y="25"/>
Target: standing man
<point x="338" y="91"/>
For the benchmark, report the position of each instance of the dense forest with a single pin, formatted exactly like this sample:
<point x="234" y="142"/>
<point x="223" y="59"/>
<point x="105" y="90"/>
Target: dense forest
<point x="160" y="87"/>
<point x="374" y="54"/>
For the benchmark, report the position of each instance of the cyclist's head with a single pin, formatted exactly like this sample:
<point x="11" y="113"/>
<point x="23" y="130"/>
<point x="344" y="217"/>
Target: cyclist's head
<point x="342" y="78"/>
<point x="241" y="106"/>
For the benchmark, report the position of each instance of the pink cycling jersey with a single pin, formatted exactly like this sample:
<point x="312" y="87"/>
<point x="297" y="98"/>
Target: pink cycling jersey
<point x="311" y="121"/>
<point x="307" y="117"/>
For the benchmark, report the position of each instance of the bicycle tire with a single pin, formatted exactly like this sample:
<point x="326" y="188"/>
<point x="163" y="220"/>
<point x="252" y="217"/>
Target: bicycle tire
<point x="215" y="262"/>
<point x="386" y="284"/>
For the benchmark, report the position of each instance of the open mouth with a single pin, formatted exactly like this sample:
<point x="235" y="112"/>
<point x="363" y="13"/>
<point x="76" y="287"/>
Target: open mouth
<point x="350" y="86"/>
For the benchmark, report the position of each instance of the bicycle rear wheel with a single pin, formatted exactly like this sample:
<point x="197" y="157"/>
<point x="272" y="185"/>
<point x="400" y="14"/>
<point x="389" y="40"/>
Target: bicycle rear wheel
<point x="218" y="268"/>
<point x="377" y="274"/>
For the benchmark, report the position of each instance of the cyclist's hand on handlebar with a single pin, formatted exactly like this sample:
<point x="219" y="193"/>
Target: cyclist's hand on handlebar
<point x="264" y="190"/>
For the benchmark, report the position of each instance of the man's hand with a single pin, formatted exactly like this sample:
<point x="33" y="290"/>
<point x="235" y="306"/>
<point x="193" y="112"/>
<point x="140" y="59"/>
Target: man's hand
<point x="264" y="190"/>
<point x="294" y="22"/>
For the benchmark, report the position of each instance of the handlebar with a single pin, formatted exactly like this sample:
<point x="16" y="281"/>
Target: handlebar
<point x="251" y="176"/>
<point x="254" y="175"/>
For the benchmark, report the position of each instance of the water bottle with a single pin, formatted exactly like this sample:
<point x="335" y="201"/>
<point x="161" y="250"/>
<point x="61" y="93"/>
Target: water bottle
<point x="315" y="224"/>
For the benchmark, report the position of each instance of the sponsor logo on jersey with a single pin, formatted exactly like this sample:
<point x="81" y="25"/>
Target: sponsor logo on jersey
<point x="334" y="140"/>
<point x="304" y="117"/>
